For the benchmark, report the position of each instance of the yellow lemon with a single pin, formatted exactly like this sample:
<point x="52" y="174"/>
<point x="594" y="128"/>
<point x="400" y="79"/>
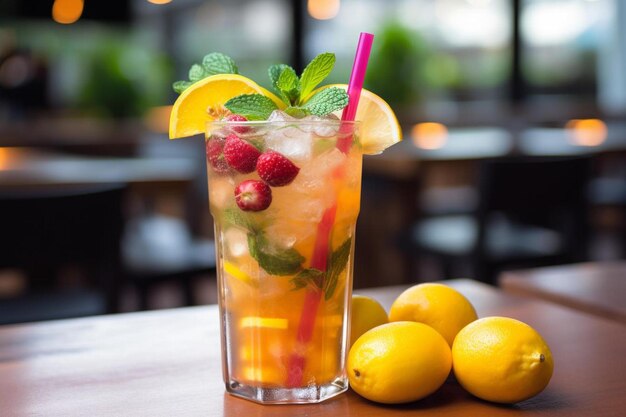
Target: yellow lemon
<point x="379" y="125"/>
<point x="502" y="360"/>
<point x="204" y="101"/>
<point x="366" y="314"/>
<point x="440" y="306"/>
<point x="398" y="362"/>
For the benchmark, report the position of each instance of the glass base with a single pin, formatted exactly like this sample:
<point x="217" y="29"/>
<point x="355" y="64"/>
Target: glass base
<point x="303" y="395"/>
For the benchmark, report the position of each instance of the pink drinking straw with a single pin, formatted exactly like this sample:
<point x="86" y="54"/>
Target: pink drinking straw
<point x="297" y="360"/>
<point x="355" y="86"/>
<point x="357" y="77"/>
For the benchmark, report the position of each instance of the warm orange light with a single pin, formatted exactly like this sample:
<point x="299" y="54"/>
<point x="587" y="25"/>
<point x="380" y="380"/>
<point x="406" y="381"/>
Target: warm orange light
<point x="159" y="1"/>
<point x="157" y="119"/>
<point x="587" y="132"/>
<point x="4" y="158"/>
<point x="429" y="135"/>
<point x="67" y="11"/>
<point x="323" y="9"/>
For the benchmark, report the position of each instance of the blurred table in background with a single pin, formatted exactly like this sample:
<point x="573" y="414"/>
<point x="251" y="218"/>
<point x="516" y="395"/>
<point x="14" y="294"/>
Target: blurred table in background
<point x="79" y="135"/>
<point x="597" y="138"/>
<point x="165" y="181"/>
<point x="408" y="179"/>
<point x="163" y="237"/>
<point x="594" y="288"/>
<point x="35" y="167"/>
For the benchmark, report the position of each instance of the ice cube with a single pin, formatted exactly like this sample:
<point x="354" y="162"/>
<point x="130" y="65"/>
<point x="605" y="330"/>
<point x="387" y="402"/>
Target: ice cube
<point x="236" y="241"/>
<point x="221" y="191"/>
<point x="324" y="130"/>
<point x="282" y="234"/>
<point x="280" y="116"/>
<point x="290" y="141"/>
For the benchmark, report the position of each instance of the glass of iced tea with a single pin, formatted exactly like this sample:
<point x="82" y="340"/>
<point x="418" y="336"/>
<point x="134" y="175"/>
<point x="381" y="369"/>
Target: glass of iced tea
<point x="284" y="195"/>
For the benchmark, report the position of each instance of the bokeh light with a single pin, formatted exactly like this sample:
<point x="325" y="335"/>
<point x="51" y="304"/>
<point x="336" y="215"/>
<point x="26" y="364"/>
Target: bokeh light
<point x="323" y="9"/>
<point x="429" y="135"/>
<point x="587" y="132"/>
<point x="67" y="12"/>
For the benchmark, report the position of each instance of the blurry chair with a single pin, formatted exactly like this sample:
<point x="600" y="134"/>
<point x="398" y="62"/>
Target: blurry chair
<point x="47" y="231"/>
<point x="531" y="211"/>
<point x="159" y="249"/>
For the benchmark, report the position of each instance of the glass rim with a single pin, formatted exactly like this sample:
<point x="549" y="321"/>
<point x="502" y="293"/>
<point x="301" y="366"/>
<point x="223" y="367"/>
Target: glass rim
<point x="299" y="122"/>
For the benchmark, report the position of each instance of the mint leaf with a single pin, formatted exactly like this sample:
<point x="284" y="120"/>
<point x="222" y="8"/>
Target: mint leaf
<point x="274" y="72"/>
<point x="236" y="217"/>
<point x="252" y="106"/>
<point x="296" y="112"/>
<point x="289" y="85"/>
<point x="212" y="64"/>
<point x="218" y="63"/>
<point x="314" y="73"/>
<point x="196" y="73"/>
<point x="273" y="259"/>
<point x="327" y="101"/>
<point x="306" y="277"/>
<point x="180" y="86"/>
<point x="337" y="263"/>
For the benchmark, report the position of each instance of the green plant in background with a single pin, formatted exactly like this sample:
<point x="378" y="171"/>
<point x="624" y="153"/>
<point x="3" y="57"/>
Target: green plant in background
<point x="97" y="70"/>
<point x="123" y="80"/>
<point x="396" y="70"/>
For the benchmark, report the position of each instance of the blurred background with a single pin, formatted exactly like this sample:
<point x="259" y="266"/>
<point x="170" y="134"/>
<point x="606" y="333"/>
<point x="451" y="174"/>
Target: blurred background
<point x="513" y="112"/>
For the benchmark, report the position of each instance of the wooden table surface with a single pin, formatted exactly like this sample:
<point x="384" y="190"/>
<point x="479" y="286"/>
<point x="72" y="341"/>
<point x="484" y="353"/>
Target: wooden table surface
<point x="595" y="288"/>
<point x="167" y="363"/>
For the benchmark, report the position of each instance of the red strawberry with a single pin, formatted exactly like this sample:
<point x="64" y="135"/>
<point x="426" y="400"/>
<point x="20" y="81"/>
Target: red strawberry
<point x="240" y="155"/>
<point x="253" y="195"/>
<point x="275" y="169"/>
<point x="215" y="155"/>
<point x="237" y="118"/>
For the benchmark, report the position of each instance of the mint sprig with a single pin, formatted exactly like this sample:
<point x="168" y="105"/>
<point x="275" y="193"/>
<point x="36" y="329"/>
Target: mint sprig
<point x="212" y="64"/>
<point x="296" y="92"/>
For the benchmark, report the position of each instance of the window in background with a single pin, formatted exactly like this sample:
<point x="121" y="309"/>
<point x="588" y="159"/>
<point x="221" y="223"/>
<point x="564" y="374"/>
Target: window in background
<point x="561" y="41"/>
<point x="255" y="34"/>
<point x="87" y="68"/>
<point x="425" y="50"/>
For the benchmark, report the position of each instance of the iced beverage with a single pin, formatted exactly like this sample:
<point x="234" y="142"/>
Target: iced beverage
<point x="284" y="227"/>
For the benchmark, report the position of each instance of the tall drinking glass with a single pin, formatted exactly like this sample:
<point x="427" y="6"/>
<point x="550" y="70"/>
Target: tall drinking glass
<point x="285" y="270"/>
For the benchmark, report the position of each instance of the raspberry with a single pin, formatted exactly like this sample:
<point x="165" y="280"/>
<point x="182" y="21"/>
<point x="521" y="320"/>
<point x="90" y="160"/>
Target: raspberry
<point x="240" y="155"/>
<point x="253" y="195"/>
<point x="237" y="118"/>
<point x="215" y="155"/>
<point x="275" y="169"/>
